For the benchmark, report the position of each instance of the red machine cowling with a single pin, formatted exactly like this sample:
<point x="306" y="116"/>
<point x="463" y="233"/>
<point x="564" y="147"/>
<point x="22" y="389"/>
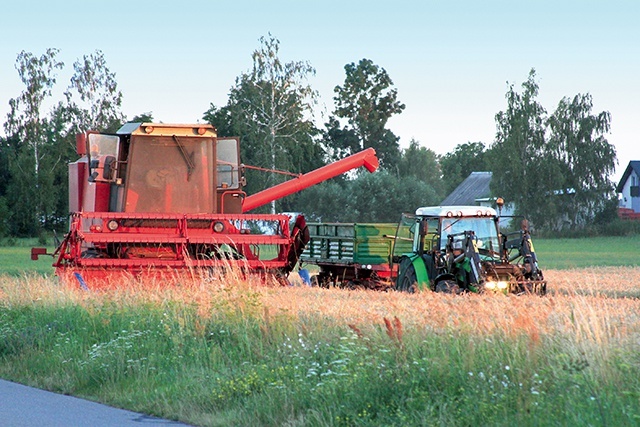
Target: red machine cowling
<point x="155" y="198"/>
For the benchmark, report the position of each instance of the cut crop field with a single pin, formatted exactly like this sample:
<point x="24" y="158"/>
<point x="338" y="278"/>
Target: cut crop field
<point x="553" y="254"/>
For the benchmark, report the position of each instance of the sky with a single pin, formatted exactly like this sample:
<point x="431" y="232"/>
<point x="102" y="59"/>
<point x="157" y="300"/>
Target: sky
<point x="451" y="61"/>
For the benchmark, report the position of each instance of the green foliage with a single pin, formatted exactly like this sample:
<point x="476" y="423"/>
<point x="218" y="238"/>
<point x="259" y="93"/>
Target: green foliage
<point x="459" y="163"/>
<point x="588" y="160"/>
<point x="366" y="100"/>
<point x="561" y="181"/>
<point x="143" y="118"/>
<point x="38" y="147"/>
<point x="377" y="197"/>
<point x="100" y="101"/>
<point x="421" y="163"/>
<point x="29" y="191"/>
<point x="521" y="172"/>
<point x="4" y="217"/>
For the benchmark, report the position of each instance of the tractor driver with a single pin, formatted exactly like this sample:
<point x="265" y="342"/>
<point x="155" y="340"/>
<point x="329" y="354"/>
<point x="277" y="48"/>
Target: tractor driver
<point x="456" y="248"/>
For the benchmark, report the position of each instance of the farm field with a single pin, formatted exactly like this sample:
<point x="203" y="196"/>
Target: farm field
<point x="553" y="254"/>
<point x="227" y="352"/>
<point x="585" y="252"/>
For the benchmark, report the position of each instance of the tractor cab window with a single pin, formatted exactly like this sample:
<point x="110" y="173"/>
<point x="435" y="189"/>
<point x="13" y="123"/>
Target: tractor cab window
<point x="427" y="226"/>
<point x="404" y="237"/>
<point x="227" y="163"/>
<point x="103" y="152"/>
<point x="484" y="230"/>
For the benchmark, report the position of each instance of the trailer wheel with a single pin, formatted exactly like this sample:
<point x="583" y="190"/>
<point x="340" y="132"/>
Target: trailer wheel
<point x="314" y="281"/>
<point x="407" y="279"/>
<point x="321" y="280"/>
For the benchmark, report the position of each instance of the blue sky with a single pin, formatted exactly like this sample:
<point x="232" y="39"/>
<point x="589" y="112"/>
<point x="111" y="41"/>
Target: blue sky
<point x="451" y="61"/>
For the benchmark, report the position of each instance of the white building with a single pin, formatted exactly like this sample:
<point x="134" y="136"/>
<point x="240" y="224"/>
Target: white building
<point x="629" y="187"/>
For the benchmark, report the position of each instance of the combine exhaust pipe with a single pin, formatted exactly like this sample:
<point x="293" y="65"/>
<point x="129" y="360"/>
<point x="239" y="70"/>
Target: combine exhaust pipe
<point x="366" y="158"/>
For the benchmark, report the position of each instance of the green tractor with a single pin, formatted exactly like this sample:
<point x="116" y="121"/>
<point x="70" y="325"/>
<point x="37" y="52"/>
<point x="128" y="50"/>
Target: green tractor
<point x="461" y="249"/>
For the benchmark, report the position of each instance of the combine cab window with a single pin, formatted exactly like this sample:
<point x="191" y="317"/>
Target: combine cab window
<point x="227" y="163"/>
<point x="103" y="145"/>
<point x="170" y="174"/>
<point x="103" y="152"/>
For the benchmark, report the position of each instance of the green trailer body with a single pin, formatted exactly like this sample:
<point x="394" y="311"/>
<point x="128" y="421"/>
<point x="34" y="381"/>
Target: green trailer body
<point x="355" y="255"/>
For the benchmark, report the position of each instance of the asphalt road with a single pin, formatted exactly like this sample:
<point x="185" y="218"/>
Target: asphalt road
<point x="22" y="406"/>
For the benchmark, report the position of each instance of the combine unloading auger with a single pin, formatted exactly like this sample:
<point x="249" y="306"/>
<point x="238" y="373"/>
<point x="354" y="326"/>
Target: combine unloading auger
<point x="158" y="198"/>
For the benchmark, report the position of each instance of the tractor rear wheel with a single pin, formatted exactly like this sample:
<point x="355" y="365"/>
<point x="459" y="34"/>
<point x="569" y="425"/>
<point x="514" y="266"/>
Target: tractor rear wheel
<point x="407" y="280"/>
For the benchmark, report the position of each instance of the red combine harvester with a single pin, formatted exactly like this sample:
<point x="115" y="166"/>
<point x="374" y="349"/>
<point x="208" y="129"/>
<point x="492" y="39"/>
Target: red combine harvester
<point x="157" y="198"/>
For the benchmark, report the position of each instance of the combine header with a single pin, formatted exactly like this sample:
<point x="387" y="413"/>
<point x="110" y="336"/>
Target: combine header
<point x="158" y="198"/>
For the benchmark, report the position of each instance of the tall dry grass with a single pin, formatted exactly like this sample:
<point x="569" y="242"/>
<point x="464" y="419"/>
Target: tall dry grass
<point x="593" y="308"/>
<point x="571" y="337"/>
<point x="596" y="304"/>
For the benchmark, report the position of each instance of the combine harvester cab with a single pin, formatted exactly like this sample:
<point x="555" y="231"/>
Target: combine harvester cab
<point x="154" y="199"/>
<point x="461" y="249"/>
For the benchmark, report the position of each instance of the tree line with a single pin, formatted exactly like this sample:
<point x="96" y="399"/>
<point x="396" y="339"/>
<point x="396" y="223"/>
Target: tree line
<point x="555" y="168"/>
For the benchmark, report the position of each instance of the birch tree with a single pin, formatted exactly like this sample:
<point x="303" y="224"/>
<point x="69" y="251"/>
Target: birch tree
<point x="31" y="193"/>
<point x="93" y="99"/>
<point x="271" y="109"/>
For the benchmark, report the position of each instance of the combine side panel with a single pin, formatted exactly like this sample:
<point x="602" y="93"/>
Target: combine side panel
<point x="115" y="242"/>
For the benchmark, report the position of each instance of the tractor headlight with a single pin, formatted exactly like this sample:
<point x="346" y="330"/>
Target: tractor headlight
<point x="112" y="225"/>
<point x="218" y="227"/>
<point x="496" y="286"/>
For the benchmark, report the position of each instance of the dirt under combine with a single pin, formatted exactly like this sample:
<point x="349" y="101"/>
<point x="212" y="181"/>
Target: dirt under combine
<point x="157" y="199"/>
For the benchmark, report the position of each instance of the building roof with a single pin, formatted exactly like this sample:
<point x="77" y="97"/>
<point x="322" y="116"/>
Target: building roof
<point x="476" y="186"/>
<point x="634" y="165"/>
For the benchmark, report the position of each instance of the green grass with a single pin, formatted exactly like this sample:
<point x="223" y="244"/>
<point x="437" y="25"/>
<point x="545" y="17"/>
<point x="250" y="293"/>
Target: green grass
<point x="16" y="261"/>
<point x="237" y="363"/>
<point x="559" y="254"/>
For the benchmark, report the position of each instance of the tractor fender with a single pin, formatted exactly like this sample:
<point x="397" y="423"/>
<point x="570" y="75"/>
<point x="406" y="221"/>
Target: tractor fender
<point x="421" y="270"/>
